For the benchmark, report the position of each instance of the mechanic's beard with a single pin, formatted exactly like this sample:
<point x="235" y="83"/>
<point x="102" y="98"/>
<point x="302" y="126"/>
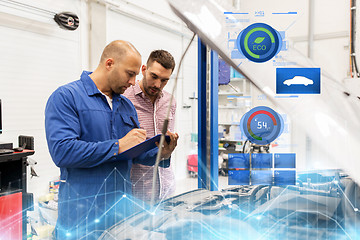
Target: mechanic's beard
<point x="148" y="91"/>
<point x="121" y="90"/>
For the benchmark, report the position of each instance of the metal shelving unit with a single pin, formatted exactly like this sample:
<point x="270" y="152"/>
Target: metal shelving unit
<point x="234" y="100"/>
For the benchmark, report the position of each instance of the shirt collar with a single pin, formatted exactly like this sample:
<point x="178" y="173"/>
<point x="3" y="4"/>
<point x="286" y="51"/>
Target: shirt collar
<point x="137" y="90"/>
<point x="90" y="86"/>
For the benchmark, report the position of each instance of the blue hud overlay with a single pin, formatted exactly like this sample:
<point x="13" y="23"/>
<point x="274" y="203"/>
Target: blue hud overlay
<point x="298" y="80"/>
<point x="262" y="169"/>
<point x="236" y="24"/>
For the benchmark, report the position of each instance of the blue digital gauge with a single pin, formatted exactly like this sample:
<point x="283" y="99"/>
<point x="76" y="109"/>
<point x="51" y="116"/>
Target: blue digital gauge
<point x="262" y="125"/>
<point x="259" y="42"/>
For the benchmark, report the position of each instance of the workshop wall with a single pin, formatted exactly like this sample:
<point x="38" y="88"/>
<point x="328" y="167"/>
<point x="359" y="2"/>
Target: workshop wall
<point x="37" y="57"/>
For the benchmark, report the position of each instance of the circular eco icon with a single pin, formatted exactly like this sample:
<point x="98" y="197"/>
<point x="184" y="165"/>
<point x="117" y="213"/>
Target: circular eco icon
<point x="261" y="125"/>
<point x="259" y="42"/>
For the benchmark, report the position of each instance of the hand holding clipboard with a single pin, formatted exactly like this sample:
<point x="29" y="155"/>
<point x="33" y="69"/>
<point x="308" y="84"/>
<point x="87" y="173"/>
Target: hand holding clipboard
<point x="132" y="138"/>
<point x="145" y="145"/>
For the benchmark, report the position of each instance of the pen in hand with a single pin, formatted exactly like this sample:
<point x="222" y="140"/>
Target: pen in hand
<point x="134" y="122"/>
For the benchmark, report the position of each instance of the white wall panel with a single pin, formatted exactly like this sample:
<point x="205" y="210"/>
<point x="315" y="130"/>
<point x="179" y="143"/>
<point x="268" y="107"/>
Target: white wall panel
<point x="36" y="58"/>
<point x="144" y="36"/>
<point x="159" y="7"/>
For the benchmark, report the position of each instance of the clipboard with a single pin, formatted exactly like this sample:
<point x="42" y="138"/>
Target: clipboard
<point x="141" y="148"/>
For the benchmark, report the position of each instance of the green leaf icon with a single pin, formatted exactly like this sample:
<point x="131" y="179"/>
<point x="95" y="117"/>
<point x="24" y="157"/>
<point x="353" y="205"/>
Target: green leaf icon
<point x="259" y="39"/>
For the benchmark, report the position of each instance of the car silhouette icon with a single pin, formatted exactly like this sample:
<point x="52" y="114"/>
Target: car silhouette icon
<point x="298" y="80"/>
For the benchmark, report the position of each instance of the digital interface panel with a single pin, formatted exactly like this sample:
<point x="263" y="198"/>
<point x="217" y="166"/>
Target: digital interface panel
<point x="253" y="36"/>
<point x="262" y="169"/>
<point x="262" y="125"/>
<point x="298" y="80"/>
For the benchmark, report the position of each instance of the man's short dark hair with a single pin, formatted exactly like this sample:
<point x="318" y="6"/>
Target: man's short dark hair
<point x="163" y="57"/>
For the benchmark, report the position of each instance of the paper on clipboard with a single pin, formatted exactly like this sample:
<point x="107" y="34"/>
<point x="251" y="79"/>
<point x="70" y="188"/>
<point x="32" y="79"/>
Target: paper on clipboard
<point x="141" y="148"/>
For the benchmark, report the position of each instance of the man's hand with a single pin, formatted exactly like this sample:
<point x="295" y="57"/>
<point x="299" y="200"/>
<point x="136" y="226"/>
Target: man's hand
<point x="168" y="148"/>
<point x="131" y="139"/>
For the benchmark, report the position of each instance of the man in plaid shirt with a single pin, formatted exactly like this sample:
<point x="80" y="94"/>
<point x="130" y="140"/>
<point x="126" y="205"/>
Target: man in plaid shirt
<point x="151" y="103"/>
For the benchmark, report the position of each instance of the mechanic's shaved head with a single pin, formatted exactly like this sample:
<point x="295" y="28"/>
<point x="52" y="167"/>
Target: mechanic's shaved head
<point x="119" y="64"/>
<point x="117" y="50"/>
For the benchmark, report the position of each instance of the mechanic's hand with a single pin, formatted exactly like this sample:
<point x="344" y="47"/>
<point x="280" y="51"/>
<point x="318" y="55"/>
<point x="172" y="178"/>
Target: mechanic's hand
<point x="168" y="148"/>
<point x="131" y="139"/>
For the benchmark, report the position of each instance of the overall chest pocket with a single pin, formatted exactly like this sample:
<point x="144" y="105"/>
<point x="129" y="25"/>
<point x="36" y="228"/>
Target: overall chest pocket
<point x="125" y="123"/>
<point x="95" y="125"/>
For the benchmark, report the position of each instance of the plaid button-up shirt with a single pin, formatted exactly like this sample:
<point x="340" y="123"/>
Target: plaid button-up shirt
<point x="151" y="118"/>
